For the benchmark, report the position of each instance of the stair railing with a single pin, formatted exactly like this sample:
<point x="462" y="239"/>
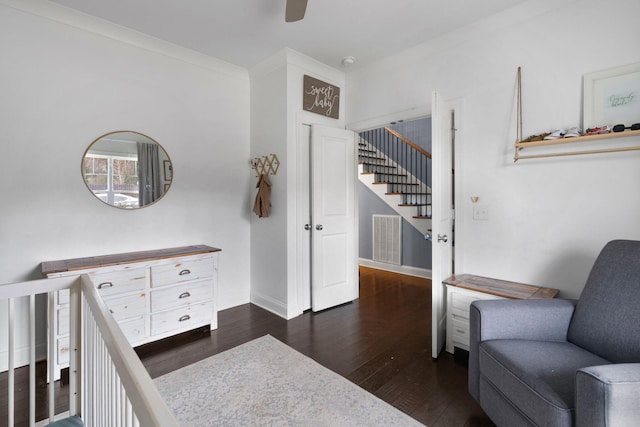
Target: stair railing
<point x="400" y="163"/>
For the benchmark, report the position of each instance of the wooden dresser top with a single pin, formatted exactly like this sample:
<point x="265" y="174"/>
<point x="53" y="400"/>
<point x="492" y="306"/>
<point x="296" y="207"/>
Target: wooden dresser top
<point x="49" y="267"/>
<point x="501" y="288"/>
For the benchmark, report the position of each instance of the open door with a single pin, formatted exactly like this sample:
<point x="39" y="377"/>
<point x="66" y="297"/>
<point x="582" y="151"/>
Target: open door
<point x="442" y="221"/>
<point x="334" y="267"/>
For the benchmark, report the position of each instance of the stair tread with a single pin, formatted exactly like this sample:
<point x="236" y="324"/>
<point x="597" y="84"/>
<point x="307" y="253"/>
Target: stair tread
<point x="409" y="193"/>
<point x="414" y="204"/>
<point x="391" y="174"/>
<point x="422" y="217"/>
<point x="397" y="183"/>
<point x="377" y="165"/>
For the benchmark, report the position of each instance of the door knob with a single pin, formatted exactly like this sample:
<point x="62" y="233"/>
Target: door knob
<point x="443" y="238"/>
<point x="307" y="227"/>
<point x="319" y="227"/>
<point x="428" y="236"/>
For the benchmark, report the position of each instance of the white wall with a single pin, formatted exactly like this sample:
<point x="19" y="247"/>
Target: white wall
<point x="269" y="136"/>
<point x="276" y="120"/>
<point x="548" y="218"/>
<point x="65" y="79"/>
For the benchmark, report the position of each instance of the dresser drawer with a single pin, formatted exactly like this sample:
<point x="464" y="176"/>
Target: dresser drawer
<point x="181" y="271"/>
<point x="460" y="332"/>
<point x="180" y="295"/>
<point x="133" y="329"/>
<point x="63" y="297"/>
<point x="461" y="302"/>
<point x="116" y="282"/>
<point x="63" y="320"/>
<point x="123" y="307"/>
<point x="190" y="316"/>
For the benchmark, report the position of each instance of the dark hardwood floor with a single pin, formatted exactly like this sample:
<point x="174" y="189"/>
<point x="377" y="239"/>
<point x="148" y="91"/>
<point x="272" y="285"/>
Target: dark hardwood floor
<point x="382" y="342"/>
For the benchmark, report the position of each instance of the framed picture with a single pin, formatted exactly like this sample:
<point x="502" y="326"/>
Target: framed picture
<point x="168" y="170"/>
<point x="612" y="97"/>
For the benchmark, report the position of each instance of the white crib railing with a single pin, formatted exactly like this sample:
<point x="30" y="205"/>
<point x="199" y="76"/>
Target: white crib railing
<point x="108" y="385"/>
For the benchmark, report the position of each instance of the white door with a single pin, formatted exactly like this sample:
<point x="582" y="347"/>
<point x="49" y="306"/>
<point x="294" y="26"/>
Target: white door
<point x="442" y="220"/>
<point x="334" y="268"/>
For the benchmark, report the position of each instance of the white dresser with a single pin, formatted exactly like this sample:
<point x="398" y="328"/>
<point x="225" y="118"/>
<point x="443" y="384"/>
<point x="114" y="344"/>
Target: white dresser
<point x="463" y="289"/>
<point x="151" y="294"/>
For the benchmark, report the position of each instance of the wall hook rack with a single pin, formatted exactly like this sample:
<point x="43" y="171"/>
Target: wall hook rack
<point x="265" y="165"/>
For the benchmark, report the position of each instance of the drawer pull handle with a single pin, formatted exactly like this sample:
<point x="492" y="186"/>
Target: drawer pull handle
<point x="184" y="318"/>
<point x="105" y="285"/>
<point x="460" y="331"/>
<point x="184" y="272"/>
<point x="184" y="295"/>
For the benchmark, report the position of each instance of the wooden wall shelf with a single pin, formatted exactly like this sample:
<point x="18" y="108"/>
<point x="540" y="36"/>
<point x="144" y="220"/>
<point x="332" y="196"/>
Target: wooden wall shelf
<point x="575" y="140"/>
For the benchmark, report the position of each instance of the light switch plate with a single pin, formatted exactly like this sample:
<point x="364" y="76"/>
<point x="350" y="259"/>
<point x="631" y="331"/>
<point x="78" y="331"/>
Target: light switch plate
<point x="480" y="212"/>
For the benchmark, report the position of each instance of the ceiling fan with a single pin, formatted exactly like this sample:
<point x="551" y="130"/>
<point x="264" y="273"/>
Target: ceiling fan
<point x="295" y="10"/>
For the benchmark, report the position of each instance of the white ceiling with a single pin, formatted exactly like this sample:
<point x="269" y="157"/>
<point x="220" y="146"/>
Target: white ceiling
<point x="245" y="32"/>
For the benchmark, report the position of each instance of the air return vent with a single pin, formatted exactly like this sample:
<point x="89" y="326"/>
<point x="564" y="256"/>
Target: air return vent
<point x="387" y="238"/>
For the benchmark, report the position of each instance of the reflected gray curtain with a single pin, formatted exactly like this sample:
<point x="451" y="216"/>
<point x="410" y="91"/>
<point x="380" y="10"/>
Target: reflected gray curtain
<point x="149" y="173"/>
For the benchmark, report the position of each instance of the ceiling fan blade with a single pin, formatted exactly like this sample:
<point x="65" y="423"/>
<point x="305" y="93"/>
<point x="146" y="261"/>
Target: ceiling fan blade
<point x="295" y="10"/>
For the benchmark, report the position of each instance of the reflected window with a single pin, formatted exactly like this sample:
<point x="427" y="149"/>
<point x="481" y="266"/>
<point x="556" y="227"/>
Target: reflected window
<point x="125" y="169"/>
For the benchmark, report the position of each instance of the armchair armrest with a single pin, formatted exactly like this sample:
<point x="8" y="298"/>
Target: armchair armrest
<point x="539" y="319"/>
<point x="608" y="395"/>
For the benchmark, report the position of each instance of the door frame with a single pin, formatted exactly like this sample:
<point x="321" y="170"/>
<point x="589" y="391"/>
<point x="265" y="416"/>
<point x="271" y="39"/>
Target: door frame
<point x="458" y="189"/>
<point x="456" y="104"/>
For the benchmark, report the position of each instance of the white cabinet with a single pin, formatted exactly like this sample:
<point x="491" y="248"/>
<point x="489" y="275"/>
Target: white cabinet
<point x="151" y="294"/>
<point x="458" y="302"/>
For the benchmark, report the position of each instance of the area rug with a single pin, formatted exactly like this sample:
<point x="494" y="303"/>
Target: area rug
<point x="267" y="383"/>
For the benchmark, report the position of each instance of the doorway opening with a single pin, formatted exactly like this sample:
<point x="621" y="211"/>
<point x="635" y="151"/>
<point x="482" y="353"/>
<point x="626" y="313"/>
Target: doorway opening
<point x="394" y="162"/>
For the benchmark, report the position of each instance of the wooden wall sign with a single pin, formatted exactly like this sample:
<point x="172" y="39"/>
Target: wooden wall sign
<point x="320" y="97"/>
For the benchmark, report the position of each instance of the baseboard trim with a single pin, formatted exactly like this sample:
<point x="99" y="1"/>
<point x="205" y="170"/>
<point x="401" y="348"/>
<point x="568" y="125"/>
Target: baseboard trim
<point x="269" y="304"/>
<point x="21" y="356"/>
<point x="401" y="269"/>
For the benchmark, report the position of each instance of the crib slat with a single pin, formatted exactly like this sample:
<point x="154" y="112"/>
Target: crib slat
<point x="11" y="387"/>
<point x="32" y="360"/>
<point x="50" y="358"/>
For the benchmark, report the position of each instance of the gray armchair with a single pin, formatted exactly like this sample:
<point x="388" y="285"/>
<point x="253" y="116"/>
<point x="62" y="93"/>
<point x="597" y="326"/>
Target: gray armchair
<point x="561" y="362"/>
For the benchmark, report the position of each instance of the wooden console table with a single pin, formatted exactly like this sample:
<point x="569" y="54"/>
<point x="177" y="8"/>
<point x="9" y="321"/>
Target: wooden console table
<point x="462" y="289"/>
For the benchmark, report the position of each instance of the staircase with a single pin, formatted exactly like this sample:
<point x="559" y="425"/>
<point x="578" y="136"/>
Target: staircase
<point x="399" y="172"/>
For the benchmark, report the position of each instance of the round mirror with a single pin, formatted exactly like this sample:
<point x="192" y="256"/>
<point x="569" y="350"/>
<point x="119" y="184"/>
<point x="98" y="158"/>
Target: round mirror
<point x="127" y="169"/>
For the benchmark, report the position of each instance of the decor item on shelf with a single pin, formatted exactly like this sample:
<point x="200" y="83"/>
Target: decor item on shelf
<point x="622" y="128"/>
<point x="612" y="96"/>
<point x="598" y="130"/>
<point x="561" y="133"/>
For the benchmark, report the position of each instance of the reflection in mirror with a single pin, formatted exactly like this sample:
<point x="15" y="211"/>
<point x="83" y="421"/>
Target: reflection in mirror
<point x="127" y="169"/>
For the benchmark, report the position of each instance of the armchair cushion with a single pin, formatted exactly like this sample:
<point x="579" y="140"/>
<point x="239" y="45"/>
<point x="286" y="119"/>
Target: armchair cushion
<point x="539" y="320"/>
<point x="535" y="376"/>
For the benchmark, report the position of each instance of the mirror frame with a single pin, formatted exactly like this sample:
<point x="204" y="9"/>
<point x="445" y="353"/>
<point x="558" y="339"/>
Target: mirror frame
<point x="166" y="183"/>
